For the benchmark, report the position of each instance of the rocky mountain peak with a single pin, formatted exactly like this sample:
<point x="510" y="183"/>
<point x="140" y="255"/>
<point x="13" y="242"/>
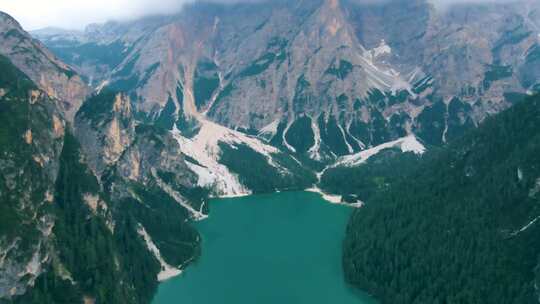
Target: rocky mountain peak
<point x="56" y="78"/>
<point x="373" y="71"/>
<point x="122" y="105"/>
<point x="331" y="18"/>
<point x="226" y="100"/>
<point x="8" y="22"/>
<point x="332" y="4"/>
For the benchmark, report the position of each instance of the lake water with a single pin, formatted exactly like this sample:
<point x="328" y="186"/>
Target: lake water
<point x="267" y="249"/>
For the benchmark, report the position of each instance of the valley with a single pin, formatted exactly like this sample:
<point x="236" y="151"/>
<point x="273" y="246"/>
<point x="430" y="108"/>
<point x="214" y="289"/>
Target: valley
<point x="274" y="151"/>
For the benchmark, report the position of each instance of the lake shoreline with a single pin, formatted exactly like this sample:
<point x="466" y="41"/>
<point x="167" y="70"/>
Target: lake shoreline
<point x="244" y="258"/>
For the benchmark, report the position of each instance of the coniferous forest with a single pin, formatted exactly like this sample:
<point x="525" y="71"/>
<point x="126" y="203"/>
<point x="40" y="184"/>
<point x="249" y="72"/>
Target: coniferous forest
<point x="461" y="227"/>
<point x="130" y="140"/>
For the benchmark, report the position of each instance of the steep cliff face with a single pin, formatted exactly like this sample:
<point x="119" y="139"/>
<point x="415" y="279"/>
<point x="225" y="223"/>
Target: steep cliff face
<point x="55" y="220"/>
<point x="122" y="184"/>
<point x="123" y="152"/>
<point x="97" y="222"/>
<point x="105" y="127"/>
<point x="328" y="78"/>
<point x="31" y="139"/>
<point x="100" y="48"/>
<point x="41" y="66"/>
<point x="222" y="100"/>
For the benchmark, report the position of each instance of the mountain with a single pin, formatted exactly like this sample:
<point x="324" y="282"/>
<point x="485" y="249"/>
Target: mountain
<point x="67" y="236"/>
<point x="315" y="79"/>
<point x="42" y="67"/>
<point x="114" y="140"/>
<point x="31" y="139"/>
<point x="321" y="78"/>
<point x="97" y="201"/>
<point x="461" y="225"/>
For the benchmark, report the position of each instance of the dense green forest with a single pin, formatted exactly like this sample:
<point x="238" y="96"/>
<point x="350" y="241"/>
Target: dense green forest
<point x="461" y="227"/>
<point x="99" y="252"/>
<point x="90" y="260"/>
<point x="14" y="110"/>
<point x="375" y="176"/>
<point x="92" y="252"/>
<point x="259" y="176"/>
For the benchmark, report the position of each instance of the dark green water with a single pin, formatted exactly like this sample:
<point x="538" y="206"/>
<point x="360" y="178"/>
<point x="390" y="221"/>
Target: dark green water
<point x="278" y="249"/>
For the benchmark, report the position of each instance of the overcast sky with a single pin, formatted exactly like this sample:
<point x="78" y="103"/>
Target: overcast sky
<point x="34" y="14"/>
<point x="75" y="14"/>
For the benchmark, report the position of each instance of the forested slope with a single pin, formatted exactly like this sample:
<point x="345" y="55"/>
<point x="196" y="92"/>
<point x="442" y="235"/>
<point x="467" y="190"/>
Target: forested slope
<point x="375" y="176"/>
<point x="462" y="227"/>
<point x="65" y="235"/>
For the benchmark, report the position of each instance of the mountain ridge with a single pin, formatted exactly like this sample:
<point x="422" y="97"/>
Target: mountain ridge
<point x="150" y="118"/>
<point x="53" y="76"/>
<point x="376" y="81"/>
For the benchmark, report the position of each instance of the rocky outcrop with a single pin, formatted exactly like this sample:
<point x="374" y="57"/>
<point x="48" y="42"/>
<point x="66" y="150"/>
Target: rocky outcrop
<point x="104" y="135"/>
<point x="224" y="100"/>
<point x="62" y="222"/>
<point x="30" y="147"/>
<point x="362" y="73"/>
<point x="52" y="76"/>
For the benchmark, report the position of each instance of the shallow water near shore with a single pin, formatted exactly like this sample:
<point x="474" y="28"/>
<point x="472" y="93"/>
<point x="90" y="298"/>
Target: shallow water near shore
<point x="267" y="249"/>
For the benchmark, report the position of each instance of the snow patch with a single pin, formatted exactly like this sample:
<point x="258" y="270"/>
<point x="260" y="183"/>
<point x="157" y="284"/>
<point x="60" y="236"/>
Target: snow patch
<point x="335" y="199"/>
<point x="204" y="148"/>
<point x="314" y="152"/>
<point x="34" y="265"/>
<point x="270" y="130"/>
<point x="92" y="201"/>
<point x="381" y="49"/>
<point x="28" y="138"/>
<point x="401" y="85"/>
<point x="411" y="144"/>
<point x="167" y="271"/>
<point x="102" y="85"/>
<point x="532" y="222"/>
<point x="349" y="147"/>
<point x="206" y="178"/>
<point x="284" y="139"/>
<point x="359" y="142"/>
<point x="197" y="215"/>
<point x="406" y="144"/>
<point x="385" y="79"/>
<point x="446" y="115"/>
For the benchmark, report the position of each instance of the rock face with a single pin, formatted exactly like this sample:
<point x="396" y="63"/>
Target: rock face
<point x="105" y="135"/>
<point x="54" y="77"/>
<point x="29" y="163"/>
<point x="221" y="100"/>
<point x="347" y="73"/>
<point x="72" y="207"/>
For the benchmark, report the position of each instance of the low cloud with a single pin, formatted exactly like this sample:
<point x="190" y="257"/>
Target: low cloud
<point x="439" y="3"/>
<point x="449" y="3"/>
<point x="76" y="14"/>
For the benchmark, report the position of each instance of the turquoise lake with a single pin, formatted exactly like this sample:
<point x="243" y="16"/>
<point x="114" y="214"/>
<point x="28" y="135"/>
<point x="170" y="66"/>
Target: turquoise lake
<point x="267" y="249"/>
